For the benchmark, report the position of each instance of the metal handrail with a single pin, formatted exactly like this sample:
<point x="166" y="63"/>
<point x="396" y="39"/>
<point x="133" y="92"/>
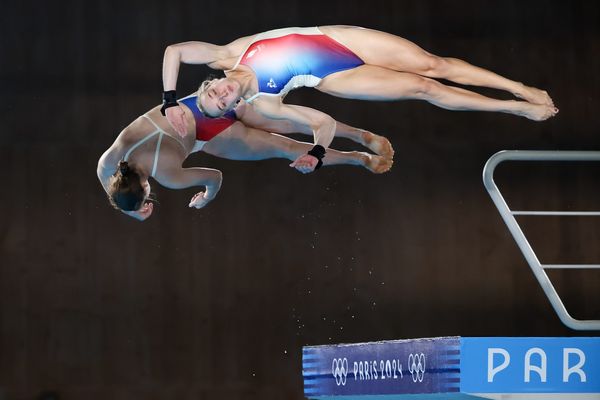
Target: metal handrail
<point x="509" y="218"/>
<point x="571" y="266"/>
<point x="560" y="213"/>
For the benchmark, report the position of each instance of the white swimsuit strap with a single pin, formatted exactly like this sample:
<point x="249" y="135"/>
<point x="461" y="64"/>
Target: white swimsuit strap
<point x="160" y="133"/>
<point x="253" y="97"/>
<point x="142" y="141"/>
<point x="157" y="151"/>
<point x="153" y="123"/>
<point x="156" y="154"/>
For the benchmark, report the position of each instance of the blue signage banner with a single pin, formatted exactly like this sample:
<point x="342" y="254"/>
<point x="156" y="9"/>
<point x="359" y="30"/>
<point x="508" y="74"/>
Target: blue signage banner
<point x="400" y="366"/>
<point x="530" y="365"/>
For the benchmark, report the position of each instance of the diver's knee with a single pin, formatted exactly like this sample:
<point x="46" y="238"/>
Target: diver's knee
<point x="424" y="87"/>
<point x="435" y="66"/>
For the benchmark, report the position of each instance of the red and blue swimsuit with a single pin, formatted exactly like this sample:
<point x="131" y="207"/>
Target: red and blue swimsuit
<point x="207" y="127"/>
<point x="285" y="59"/>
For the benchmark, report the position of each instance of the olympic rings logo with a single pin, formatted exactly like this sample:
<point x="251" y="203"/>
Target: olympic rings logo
<point x="339" y="369"/>
<point x="416" y="366"/>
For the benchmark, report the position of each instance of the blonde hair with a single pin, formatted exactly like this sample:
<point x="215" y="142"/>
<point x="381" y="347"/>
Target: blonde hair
<point x="203" y="86"/>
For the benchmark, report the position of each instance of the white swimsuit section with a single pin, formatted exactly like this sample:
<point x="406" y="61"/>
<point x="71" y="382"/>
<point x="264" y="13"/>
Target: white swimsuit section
<point x="160" y="134"/>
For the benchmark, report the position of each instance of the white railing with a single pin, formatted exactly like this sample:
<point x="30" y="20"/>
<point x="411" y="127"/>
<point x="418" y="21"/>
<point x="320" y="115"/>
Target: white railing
<point x="539" y="270"/>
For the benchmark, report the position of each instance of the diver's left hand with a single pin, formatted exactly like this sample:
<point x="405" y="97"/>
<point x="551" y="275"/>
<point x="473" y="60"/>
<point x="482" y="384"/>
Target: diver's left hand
<point x="143" y="213"/>
<point x="199" y="200"/>
<point x="176" y="117"/>
<point x="305" y="163"/>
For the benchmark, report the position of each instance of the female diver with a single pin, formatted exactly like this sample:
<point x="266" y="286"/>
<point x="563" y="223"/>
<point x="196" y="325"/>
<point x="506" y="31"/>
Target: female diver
<point x="149" y="147"/>
<point x="343" y="61"/>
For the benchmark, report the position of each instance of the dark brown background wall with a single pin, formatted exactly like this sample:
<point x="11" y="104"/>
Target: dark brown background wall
<point x="217" y="303"/>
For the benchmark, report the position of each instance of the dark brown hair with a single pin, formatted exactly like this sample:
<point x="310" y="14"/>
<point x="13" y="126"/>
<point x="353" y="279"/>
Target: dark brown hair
<point x="125" y="190"/>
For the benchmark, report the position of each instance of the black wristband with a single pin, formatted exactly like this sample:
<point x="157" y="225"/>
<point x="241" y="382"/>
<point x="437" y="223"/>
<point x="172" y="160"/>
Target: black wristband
<point x="169" y="100"/>
<point x="318" y="151"/>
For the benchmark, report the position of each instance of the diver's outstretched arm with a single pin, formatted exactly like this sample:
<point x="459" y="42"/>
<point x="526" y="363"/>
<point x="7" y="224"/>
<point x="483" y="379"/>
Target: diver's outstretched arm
<point x="240" y="142"/>
<point x="181" y="178"/>
<point x="321" y="125"/>
<point x="188" y="53"/>
<point x="378" y="144"/>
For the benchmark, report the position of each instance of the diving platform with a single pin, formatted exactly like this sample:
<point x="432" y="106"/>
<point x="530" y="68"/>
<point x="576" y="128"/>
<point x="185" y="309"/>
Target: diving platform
<point x="455" y="368"/>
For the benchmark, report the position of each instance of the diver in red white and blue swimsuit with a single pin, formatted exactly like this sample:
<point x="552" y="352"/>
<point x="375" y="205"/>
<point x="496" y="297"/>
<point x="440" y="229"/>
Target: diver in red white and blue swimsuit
<point x="289" y="58"/>
<point x="344" y="61"/>
<point x="285" y="59"/>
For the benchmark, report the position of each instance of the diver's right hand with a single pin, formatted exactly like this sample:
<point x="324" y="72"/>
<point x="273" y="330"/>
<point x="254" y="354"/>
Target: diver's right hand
<point x="305" y="164"/>
<point x="143" y="213"/>
<point x="176" y="117"/>
<point x="199" y="200"/>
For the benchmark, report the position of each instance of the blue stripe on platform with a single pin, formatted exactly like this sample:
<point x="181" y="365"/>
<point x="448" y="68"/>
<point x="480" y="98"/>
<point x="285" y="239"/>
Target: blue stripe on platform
<point x="310" y="367"/>
<point x="312" y="378"/>
<point x="451" y="379"/>
<point x="310" y="357"/>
